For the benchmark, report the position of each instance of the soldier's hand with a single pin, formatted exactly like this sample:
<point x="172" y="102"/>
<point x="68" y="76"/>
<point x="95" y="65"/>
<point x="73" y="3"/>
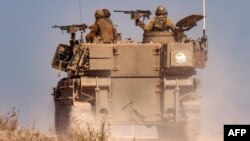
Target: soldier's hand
<point x="138" y="22"/>
<point x="91" y="27"/>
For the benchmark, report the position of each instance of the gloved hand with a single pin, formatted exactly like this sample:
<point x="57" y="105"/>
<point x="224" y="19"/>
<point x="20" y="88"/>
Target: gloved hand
<point x="138" y="22"/>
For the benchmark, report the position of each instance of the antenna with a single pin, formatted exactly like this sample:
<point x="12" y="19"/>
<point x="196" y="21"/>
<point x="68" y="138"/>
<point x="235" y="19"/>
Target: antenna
<point x="204" y="20"/>
<point x="80" y="7"/>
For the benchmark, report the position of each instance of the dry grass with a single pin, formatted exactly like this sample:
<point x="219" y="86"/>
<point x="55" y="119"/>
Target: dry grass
<point x="10" y="130"/>
<point x="92" y="131"/>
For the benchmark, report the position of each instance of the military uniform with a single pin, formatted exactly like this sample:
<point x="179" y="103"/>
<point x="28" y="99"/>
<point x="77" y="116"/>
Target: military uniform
<point x="107" y="15"/>
<point x="159" y="23"/>
<point x="103" y="29"/>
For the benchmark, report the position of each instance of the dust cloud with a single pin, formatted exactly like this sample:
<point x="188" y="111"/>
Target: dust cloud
<point x="224" y="95"/>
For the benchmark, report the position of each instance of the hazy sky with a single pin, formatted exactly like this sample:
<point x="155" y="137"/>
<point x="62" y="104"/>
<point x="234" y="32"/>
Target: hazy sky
<point x="28" y="43"/>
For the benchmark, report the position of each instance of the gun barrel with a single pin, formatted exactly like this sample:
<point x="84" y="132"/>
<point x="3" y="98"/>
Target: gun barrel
<point x="72" y="28"/>
<point x="81" y="25"/>
<point x="55" y="26"/>
<point x="123" y="11"/>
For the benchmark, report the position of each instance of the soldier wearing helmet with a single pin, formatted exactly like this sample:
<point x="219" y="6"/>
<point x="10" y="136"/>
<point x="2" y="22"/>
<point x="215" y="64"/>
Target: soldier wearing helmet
<point x="99" y="14"/>
<point x="160" y="22"/>
<point x="102" y="30"/>
<point x="106" y="12"/>
<point x="107" y="15"/>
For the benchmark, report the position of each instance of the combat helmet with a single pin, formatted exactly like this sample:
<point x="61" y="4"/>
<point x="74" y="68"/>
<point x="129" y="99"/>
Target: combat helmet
<point x="161" y="10"/>
<point x="106" y="12"/>
<point x="99" y="14"/>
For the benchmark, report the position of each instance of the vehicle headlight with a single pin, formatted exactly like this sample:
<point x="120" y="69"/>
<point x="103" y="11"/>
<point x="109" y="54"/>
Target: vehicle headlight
<point x="180" y="58"/>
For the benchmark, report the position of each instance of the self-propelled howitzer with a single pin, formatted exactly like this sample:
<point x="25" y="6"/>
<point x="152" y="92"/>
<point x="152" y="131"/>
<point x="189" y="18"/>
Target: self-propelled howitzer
<point x="148" y="85"/>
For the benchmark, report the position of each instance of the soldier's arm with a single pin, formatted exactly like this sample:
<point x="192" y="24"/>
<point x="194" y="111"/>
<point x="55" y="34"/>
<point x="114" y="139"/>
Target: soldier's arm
<point x="92" y="34"/>
<point x="149" y="26"/>
<point x="95" y="28"/>
<point x="171" y="25"/>
<point x="139" y="23"/>
<point x="115" y="32"/>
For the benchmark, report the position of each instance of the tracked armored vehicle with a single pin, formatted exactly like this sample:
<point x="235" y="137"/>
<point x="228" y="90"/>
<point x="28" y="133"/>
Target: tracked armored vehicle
<point x="148" y="88"/>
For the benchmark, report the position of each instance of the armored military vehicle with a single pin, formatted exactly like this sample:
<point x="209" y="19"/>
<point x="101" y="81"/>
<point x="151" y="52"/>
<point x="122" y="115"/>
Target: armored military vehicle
<point x="148" y="88"/>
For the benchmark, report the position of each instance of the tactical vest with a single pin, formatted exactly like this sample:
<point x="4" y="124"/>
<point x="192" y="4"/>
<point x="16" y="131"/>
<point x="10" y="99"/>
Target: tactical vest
<point x="160" y="24"/>
<point x="106" y="31"/>
<point x="114" y="29"/>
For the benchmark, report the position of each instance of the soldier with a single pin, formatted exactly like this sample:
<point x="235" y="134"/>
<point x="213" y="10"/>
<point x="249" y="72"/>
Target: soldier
<point x="159" y="23"/>
<point x="107" y="15"/>
<point x="102" y="30"/>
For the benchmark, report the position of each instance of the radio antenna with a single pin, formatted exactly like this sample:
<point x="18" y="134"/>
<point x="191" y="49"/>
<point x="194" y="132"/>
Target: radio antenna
<point x="204" y="20"/>
<point x="80" y="7"/>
